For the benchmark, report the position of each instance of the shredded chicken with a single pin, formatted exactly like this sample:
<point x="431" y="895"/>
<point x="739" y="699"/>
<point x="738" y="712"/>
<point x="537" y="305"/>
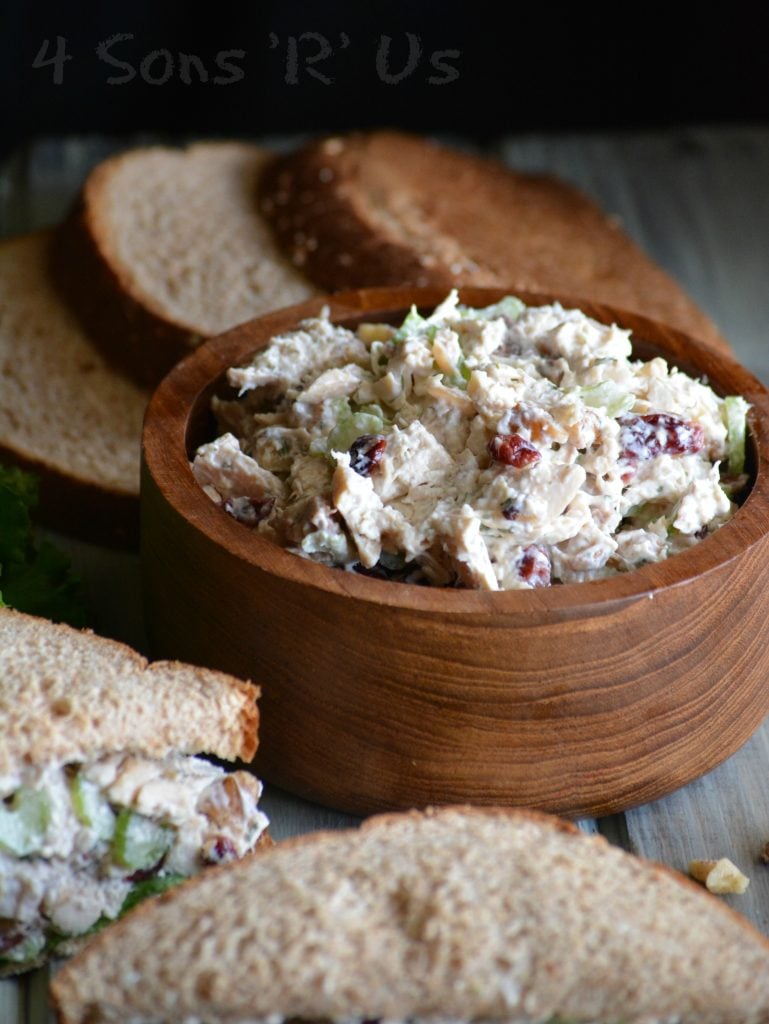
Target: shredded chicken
<point x="496" y="448"/>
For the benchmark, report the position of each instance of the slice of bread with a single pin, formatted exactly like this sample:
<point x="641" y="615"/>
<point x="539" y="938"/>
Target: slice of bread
<point x="456" y="914"/>
<point x="386" y="208"/>
<point x="166" y="247"/>
<point x="68" y="696"/>
<point x="64" y="413"/>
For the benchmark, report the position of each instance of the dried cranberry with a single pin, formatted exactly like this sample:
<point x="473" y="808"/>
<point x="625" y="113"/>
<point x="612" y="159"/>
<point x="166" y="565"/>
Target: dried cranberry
<point x="249" y="511"/>
<point x="511" y="509"/>
<point x="10" y="939"/>
<point x="534" y="566"/>
<point x="219" y="850"/>
<point x="513" y="450"/>
<point x="658" y="433"/>
<point x="144" y="873"/>
<point x="366" y="453"/>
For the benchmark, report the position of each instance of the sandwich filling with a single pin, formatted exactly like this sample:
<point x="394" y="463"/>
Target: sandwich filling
<point x="81" y="844"/>
<point x="498" y="448"/>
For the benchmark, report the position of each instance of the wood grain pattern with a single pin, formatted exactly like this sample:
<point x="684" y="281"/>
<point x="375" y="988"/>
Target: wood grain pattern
<point x="581" y="700"/>
<point x="697" y="200"/>
<point x="389" y="208"/>
<point x="724" y="814"/>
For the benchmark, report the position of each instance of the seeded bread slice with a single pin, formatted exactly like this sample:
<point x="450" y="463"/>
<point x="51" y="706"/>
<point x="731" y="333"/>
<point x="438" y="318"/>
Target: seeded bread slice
<point x="457" y="914"/>
<point x="64" y="413"/>
<point x="386" y="208"/>
<point x="68" y="695"/>
<point x="166" y="247"/>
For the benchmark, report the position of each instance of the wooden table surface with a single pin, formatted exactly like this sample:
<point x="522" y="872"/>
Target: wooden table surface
<point x="697" y="199"/>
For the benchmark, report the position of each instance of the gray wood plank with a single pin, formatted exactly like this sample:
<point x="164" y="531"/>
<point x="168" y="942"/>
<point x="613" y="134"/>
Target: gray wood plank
<point x="11" y="1003"/>
<point x="723" y="814"/>
<point x="698" y="202"/>
<point x="37" y="1008"/>
<point x="112" y="585"/>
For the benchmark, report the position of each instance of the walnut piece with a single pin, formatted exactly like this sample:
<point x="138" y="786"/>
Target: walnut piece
<point x="719" y="876"/>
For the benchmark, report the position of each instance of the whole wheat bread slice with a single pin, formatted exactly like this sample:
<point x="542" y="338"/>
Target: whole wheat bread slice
<point x="386" y="208"/>
<point x="166" y="247"/>
<point x="64" y="412"/>
<point x="460" y="914"/>
<point x="67" y="695"/>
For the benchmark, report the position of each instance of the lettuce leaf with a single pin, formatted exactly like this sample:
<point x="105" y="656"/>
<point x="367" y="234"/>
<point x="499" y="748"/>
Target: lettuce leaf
<point x="149" y="887"/>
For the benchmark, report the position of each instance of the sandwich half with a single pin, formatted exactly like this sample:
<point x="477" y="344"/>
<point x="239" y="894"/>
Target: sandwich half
<point x="452" y="915"/>
<point x="101" y="800"/>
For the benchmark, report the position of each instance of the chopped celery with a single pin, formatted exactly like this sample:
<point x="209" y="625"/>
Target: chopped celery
<point x="607" y="395"/>
<point x="341" y="408"/>
<point x="412" y="322"/>
<point x="373" y="410"/>
<point x="347" y="430"/>
<point x="92" y="808"/>
<point x="735" y="415"/>
<point x="510" y="308"/>
<point x="149" y="887"/>
<point x="13" y="835"/>
<point x="23" y="824"/>
<point x="139" y="843"/>
<point x="460" y="378"/>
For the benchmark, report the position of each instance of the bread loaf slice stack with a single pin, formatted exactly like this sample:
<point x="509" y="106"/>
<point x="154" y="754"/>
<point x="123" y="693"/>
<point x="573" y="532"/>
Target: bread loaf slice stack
<point x="167" y="247"/>
<point x="385" y="208"/>
<point x="456" y="914"/>
<point x="65" y="414"/>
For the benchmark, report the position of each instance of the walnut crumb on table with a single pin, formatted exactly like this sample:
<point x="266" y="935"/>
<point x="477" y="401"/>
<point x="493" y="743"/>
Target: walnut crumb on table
<point x="719" y="876"/>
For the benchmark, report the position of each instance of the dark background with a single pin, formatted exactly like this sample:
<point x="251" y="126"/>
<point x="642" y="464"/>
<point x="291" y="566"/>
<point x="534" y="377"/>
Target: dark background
<point x="310" y="66"/>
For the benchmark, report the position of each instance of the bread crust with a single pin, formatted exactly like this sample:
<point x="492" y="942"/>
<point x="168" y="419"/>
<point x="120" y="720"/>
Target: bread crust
<point x="86" y="507"/>
<point x="136" y="338"/>
<point x="386" y="207"/>
<point x="68" y="695"/>
<point x="211" y="985"/>
<point x="125" y="320"/>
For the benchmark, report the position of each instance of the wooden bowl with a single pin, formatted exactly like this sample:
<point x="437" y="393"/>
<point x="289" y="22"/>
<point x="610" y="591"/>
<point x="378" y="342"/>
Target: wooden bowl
<point x="582" y="699"/>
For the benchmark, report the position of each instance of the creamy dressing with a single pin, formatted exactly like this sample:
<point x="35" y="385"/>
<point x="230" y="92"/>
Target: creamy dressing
<point x="72" y="878"/>
<point x="502" y="448"/>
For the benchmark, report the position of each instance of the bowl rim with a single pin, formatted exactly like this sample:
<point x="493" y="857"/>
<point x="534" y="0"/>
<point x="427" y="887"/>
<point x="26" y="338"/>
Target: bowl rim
<point x="181" y="392"/>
